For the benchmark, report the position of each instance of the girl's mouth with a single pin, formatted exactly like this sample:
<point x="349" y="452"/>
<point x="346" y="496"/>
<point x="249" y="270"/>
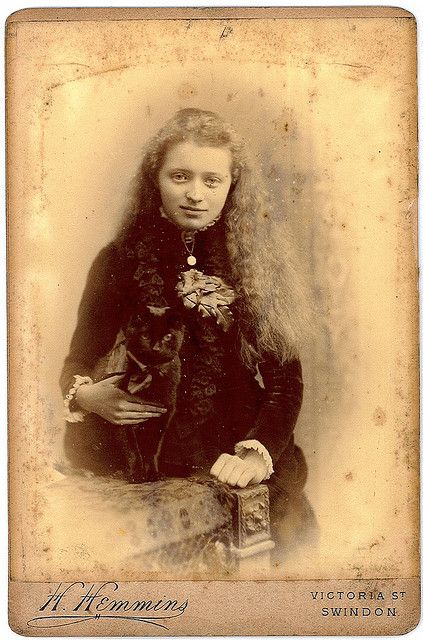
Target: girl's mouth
<point x="192" y="209"/>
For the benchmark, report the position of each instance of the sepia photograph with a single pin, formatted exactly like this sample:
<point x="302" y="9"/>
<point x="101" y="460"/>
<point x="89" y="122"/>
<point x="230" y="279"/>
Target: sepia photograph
<point x="213" y="321"/>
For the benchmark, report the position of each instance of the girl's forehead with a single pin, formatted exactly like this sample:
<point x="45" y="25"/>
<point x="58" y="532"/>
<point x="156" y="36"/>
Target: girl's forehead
<point x="191" y="154"/>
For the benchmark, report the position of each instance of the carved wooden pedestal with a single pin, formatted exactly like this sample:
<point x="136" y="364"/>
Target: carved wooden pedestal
<point x="252" y="543"/>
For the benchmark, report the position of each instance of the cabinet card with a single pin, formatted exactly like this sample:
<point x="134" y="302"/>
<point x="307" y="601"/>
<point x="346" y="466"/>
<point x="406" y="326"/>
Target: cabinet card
<point x="274" y="498"/>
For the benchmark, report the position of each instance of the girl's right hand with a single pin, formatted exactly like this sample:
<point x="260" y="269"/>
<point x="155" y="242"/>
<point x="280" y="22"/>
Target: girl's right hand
<point x="114" y="405"/>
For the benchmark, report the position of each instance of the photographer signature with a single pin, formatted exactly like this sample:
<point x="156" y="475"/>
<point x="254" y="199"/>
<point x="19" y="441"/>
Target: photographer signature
<point x="80" y="602"/>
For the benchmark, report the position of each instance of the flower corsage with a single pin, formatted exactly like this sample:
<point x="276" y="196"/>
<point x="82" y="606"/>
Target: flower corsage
<point x="209" y="294"/>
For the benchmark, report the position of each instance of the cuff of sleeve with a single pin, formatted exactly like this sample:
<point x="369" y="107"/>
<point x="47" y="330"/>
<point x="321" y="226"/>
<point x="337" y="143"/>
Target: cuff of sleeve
<point x="71" y="414"/>
<point x="242" y="448"/>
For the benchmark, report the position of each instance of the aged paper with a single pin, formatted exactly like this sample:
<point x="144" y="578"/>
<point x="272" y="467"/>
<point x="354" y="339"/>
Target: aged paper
<point x="327" y="102"/>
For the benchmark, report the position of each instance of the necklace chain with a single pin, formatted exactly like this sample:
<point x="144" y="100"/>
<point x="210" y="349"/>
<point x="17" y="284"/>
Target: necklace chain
<point x="188" y="239"/>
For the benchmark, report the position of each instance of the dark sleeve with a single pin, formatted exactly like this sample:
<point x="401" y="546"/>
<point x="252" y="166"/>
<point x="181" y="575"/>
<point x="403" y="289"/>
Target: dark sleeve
<point x="282" y="398"/>
<point x="99" y="318"/>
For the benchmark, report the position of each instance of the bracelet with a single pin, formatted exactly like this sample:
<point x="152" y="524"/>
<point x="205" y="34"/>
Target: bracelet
<point x="79" y="415"/>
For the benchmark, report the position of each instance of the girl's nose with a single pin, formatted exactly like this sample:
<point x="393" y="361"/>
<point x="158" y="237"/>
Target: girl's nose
<point x="194" y="192"/>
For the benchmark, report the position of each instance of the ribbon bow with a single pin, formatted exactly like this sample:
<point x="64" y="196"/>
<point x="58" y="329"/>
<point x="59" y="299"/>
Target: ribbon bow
<point x="142" y="379"/>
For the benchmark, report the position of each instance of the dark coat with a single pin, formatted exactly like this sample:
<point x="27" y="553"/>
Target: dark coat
<point x="219" y="400"/>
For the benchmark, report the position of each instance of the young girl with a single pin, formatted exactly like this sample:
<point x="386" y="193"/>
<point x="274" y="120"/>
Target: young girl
<point x="201" y="270"/>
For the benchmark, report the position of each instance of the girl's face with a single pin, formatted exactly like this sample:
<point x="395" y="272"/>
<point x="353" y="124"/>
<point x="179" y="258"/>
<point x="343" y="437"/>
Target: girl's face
<point x="194" y="182"/>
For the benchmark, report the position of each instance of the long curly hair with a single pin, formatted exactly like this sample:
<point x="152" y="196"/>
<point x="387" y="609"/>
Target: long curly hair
<point x="258" y="240"/>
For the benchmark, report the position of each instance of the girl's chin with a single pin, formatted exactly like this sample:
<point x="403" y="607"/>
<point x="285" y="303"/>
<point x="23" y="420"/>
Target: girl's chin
<point x="191" y="223"/>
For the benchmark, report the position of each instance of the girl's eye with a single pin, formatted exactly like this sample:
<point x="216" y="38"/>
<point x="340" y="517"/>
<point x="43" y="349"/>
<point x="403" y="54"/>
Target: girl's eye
<point x="212" y="182"/>
<point x="179" y="177"/>
<point x="167" y="337"/>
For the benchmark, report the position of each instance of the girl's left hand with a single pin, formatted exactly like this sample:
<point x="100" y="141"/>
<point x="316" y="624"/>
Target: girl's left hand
<point x="239" y="472"/>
